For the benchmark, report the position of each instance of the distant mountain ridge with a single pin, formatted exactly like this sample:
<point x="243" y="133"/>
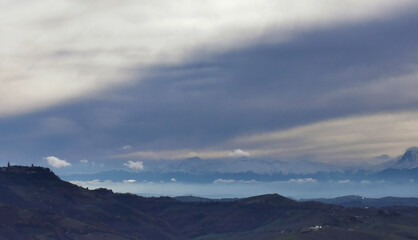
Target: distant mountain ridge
<point x="197" y="165"/>
<point x="359" y="201"/>
<point x="346" y="201"/>
<point x="394" y="175"/>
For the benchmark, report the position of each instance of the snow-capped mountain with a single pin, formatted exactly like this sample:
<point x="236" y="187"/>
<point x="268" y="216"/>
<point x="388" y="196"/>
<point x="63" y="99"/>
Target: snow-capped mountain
<point x="238" y="165"/>
<point x="408" y="160"/>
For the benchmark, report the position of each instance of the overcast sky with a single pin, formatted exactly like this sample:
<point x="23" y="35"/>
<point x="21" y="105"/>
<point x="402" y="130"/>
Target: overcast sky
<point x="106" y="82"/>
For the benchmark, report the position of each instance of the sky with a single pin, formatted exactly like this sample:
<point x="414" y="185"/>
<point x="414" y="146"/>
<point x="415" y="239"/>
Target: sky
<point x="111" y="84"/>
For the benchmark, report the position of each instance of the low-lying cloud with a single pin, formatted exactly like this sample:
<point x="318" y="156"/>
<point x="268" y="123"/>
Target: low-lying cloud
<point x="228" y="181"/>
<point x="56" y="162"/>
<point x="138" y="165"/>
<point x="302" y="180"/>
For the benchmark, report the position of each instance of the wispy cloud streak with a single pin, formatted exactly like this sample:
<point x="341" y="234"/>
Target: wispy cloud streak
<point x="60" y="51"/>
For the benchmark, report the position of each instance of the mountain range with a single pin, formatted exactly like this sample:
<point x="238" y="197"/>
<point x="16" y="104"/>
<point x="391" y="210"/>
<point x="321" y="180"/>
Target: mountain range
<point x="389" y="175"/>
<point x="197" y="165"/>
<point x="36" y="204"/>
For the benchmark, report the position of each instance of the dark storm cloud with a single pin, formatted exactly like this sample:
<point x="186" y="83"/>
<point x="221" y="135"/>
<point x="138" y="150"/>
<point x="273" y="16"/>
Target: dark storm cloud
<point x="318" y="75"/>
<point x="277" y="86"/>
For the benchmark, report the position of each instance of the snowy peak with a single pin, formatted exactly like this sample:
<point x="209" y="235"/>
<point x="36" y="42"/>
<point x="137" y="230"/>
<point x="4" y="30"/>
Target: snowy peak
<point x="409" y="159"/>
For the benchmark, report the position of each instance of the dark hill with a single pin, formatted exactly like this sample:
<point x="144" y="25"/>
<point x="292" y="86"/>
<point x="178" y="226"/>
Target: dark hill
<point x="40" y="204"/>
<point x="36" y="204"/>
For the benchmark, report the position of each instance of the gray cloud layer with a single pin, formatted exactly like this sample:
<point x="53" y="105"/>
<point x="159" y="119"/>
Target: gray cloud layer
<point x="337" y="71"/>
<point x="61" y="51"/>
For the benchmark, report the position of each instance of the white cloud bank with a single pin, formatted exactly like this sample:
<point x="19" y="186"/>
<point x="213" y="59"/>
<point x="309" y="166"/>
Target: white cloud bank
<point x="58" y="51"/>
<point x="302" y="180"/>
<point x="134" y="165"/>
<point x="56" y="162"/>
